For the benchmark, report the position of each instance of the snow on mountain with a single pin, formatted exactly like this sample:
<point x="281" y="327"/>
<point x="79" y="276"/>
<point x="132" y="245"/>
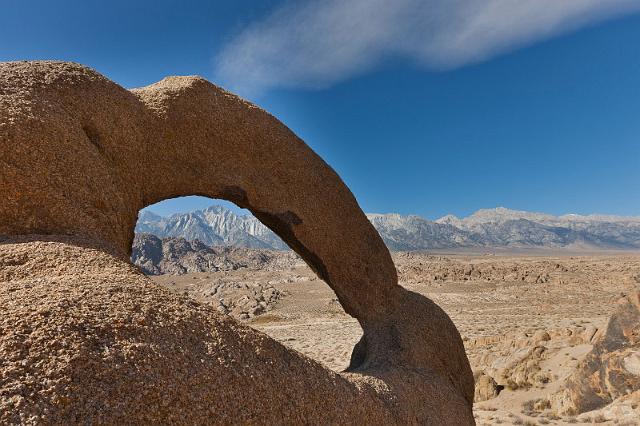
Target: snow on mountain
<point x="415" y="233"/>
<point x="214" y="226"/>
<point x="490" y="228"/>
<point x="513" y="228"/>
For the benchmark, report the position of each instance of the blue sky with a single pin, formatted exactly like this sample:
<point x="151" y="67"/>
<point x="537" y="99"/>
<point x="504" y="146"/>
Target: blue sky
<point x="424" y="107"/>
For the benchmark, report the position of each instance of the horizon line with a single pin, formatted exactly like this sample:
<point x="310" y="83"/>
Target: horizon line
<point x="246" y="212"/>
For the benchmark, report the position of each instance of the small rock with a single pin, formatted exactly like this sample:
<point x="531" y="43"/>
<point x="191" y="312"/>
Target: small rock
<point x="486" y="388"/>
<point x="541" y="336"/>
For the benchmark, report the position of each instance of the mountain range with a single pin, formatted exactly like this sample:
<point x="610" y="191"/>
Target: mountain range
<point x="486" y="228"/>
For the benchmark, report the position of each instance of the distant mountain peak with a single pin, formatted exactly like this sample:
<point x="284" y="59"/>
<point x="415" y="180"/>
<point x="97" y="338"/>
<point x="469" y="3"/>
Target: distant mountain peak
<point x="215" y="225"/>
<point x="448" y="219"/>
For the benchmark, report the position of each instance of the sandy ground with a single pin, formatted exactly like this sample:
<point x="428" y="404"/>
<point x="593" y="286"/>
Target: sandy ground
<point x="526" y="321"/>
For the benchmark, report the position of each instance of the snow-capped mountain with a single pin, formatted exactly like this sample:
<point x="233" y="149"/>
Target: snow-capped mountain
<point x="490" y="228"/>
<point x="415" y="233"/>
<point x="214" y="226"/>
<point x="501" y="227"/>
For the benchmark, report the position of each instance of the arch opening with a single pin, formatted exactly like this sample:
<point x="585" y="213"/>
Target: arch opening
<point x="222" y="255"/>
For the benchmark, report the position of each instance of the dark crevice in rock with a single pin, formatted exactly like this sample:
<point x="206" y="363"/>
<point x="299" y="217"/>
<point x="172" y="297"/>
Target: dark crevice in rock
<point x="93" y="136"/>
<point x="236" y="195"/>
<point x="282" y="224"/>
<point x="359" y="354"/>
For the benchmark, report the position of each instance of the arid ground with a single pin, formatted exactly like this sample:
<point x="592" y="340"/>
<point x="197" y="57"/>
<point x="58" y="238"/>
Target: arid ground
<point x="526" y="320"/>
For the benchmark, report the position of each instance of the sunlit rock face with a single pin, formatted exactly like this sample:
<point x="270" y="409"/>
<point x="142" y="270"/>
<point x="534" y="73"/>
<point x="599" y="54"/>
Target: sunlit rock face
<point x="85" y="337"/>
<point x="612" y="369"/>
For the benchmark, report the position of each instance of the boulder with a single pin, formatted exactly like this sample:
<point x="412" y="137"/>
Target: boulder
<point x="541" y="336"/>
<point x="486" y="387"/>
<point x="612" y="369"/>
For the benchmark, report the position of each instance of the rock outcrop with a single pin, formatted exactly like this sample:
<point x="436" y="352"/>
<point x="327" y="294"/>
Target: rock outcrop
<point x="612" y="369"/>
<point x="486" y="387"/>
<point x="86" y="338"/>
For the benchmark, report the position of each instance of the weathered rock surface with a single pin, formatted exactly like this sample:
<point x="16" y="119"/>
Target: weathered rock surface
<point x="85" y="337"/>
<point x="521" y="369"/>
<point x="486" y="387"/>
<point x="612" y="369"/>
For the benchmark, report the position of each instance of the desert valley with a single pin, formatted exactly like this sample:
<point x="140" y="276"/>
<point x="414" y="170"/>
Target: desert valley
<point x="529" y="317"/>
<point x="340" y="212"/>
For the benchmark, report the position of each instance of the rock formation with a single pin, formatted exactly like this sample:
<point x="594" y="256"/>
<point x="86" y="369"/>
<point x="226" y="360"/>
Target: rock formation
<point x="486" y="387"/>
<point x="612" y="369"/>
<point x="86" y="338"/>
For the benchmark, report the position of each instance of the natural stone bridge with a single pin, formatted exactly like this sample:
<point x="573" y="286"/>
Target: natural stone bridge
<point x="84" y="337"/>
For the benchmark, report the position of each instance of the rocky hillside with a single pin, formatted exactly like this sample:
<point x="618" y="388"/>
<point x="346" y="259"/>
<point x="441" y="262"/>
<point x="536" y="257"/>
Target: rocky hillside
<point x="488" y="228"/>
<point x="177" y="256"/>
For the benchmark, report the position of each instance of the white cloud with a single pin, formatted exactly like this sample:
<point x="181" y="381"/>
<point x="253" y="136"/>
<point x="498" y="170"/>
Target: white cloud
<point x="317" y="43"/>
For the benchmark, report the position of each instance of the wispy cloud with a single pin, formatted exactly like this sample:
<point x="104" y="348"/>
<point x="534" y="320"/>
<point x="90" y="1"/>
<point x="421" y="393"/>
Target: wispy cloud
<point x="315" y="43"/>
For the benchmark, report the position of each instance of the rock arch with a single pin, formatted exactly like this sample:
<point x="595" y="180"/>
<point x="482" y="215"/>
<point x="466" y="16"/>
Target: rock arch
<point x="80" y="156"/>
